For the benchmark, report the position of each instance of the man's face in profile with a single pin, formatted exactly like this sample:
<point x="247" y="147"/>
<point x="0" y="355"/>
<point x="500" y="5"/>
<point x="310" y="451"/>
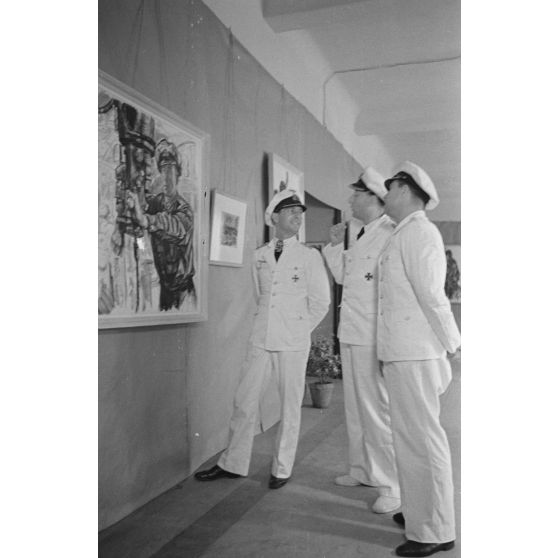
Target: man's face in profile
<point x="169" y="172"/>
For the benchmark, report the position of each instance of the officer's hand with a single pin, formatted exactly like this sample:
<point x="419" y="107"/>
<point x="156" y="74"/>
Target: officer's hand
<point x="134" y="204"/>
<point x="132" y="200"/>
<point x="337" y="233"/>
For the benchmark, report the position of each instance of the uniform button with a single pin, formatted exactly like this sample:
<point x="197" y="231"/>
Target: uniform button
<point x="272" y="294"/>
<point x="275" y="282"/>
<point x="381" y="313"/>
<point x="273" y="305"/>
<point x="381" y="296"/>
<point x="347" y="273"/>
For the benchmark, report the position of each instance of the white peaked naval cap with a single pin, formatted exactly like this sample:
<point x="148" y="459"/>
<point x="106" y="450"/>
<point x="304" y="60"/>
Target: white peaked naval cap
<point x="371" y="180"/>
<point x="282" y="199"/>
<point x="409" y="172"/>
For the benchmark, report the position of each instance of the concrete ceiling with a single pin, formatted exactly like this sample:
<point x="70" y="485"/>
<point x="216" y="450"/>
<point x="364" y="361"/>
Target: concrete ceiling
<point x="382" y="75"/>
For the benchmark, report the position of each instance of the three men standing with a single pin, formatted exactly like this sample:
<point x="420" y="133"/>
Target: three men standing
<point x="396" y="331"/>
<point x="293" y="297"/>
<point x="371" y="453"/>
<point x="416" y="331"/>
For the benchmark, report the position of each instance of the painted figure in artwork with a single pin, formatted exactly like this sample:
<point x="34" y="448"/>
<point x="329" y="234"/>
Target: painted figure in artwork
<point x="452" y="286"/>
<point x="146" y="215"/>
<point x="169" y="219"/>
<point x="123" y="257"/>
<point x="283" y="184"/>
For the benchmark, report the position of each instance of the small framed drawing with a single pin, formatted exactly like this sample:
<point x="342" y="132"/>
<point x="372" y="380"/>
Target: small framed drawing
<point x="228" y="225"/>
<point x="282" y="176"/>
<point x="453" y="273"/>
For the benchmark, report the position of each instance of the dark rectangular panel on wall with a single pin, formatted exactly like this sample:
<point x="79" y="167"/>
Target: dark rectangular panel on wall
<point x="319" y="218"/>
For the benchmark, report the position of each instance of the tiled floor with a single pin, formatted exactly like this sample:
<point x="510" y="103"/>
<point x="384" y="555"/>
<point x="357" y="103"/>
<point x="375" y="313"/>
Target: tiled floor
<point x="310" y="517"/>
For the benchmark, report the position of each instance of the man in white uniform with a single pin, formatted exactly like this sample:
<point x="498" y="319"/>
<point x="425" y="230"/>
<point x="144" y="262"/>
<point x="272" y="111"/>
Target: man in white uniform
<point x="293" y="297"/>
<point x="371" y="454"/>
<point x="416" y="331"/>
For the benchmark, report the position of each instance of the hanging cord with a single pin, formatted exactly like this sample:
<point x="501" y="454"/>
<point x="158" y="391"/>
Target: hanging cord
<point x="229" y="138"/>
<point x="283" y="141"/>
<point x="137" y="30"/>
<point x="163" y="54"/>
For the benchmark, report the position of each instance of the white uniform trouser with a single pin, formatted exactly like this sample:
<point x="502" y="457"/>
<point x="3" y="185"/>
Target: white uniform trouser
<point x="288" y="370"/>
<point x="371" y="453"/>
<point x="421" y="447"/>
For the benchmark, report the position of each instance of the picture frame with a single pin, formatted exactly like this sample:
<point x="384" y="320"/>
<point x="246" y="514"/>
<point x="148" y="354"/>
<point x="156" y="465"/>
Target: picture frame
<point x="153" y="212"/>
<point x="228" y="230"/>
<point x="283" y="175"/>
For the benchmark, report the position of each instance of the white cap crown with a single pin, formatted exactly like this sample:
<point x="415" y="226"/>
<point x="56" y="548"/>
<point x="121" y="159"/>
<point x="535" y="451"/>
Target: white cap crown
<point x="423" y="181"/>
<point x="277" y="198"/>
<point x="374" y="181"/>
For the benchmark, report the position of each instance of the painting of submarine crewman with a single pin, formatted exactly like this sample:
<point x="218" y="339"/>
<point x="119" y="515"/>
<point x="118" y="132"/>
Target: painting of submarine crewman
<point x="170" y="219"/>
<point x="149" y="200"/>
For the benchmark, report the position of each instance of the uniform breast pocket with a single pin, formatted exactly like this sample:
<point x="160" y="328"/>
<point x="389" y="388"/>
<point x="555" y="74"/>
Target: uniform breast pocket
<point x="392" y="265"/>
<point x="293" y="279"/>
<point x="367" y="272"/>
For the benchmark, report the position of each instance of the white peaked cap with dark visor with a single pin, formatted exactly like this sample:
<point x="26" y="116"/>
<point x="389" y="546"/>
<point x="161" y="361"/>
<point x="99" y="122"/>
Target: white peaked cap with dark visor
<point x="281" y="200"/>
<point x="409" y="172"/>
<point x="371" y="180"/>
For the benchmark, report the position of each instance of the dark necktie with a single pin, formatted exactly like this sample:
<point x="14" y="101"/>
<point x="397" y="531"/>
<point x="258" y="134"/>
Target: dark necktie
<point x="278" y="249"/>
<point x="360" y="233"/>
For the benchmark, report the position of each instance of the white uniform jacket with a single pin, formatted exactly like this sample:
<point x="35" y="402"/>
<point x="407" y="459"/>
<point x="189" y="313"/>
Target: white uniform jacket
<point x="356" y="270"/>
<point x="293" y="296"/>
<point x="415" y="321"/>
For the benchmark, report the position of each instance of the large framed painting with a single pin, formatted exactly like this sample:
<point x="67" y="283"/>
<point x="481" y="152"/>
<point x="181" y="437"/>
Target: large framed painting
<point x="228" y="226"/>
<point x="153" y="212"/>
<point x="283" y="175"/>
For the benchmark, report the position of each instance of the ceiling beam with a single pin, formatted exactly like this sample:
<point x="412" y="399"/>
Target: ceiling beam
<point x="288" y="15"/>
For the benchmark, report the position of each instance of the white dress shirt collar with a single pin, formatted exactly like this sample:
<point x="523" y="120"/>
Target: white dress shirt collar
<point x="286" y="242"/>
<point x="373" y="224"/>
<point x="409" y="217"/>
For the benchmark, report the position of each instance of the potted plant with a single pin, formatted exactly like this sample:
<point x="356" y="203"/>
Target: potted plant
<point x="325" y="365"/>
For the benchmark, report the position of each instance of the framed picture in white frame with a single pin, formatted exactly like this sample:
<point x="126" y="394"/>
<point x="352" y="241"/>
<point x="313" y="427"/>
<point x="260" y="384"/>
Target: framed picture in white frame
<point x="153" y="212"/>
<point x="282" y="176"/>
<point x="228" y="229"/>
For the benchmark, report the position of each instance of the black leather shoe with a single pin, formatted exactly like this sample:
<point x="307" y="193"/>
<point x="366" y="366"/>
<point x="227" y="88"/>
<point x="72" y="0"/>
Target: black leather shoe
<point x="399" y="519"/>
<point x="414" y="548"/>
<point x="274" y="482"/>
<point x="215" y="473"/>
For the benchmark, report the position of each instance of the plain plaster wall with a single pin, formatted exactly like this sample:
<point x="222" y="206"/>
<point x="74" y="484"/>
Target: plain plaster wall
<point x="165" y="393"/>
